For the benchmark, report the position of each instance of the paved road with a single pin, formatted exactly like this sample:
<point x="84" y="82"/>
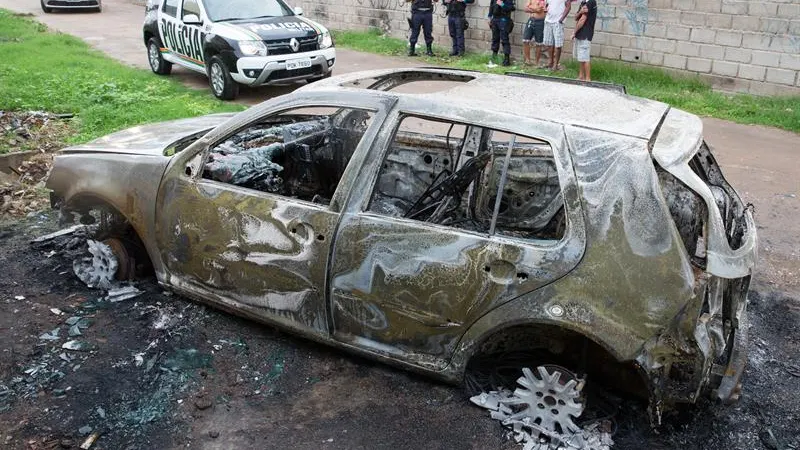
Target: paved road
<point x="760" y="161"/>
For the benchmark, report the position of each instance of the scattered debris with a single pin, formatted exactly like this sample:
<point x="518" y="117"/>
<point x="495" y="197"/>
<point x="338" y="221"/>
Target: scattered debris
<point x="56" y="311"/>
<point x="51" y="335"/>
<point x="123" y="293"/>
<point x="78" y="346"/>
<point x="186" y="359"/>
<point x="768" y="439"/>
<point x="87" y="444"/>
<point x="57" y="234"/>
<point x="213" y="434"/>
<point x="19" y="298"/>
<point x="85" y="430"/>
<point x="36" y="134"/>
<point x="101" y="412"/>
<point x="97" y="271"/>
<point x="541" y="414"/>
<point x="203" y="403"/>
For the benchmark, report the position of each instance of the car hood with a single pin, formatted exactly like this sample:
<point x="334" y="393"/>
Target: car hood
<point x="152" y="139"/>
<point x="272" y="28"/>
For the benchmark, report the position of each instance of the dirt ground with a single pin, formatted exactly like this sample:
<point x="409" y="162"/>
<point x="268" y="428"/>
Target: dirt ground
<point x="161" y="372"/>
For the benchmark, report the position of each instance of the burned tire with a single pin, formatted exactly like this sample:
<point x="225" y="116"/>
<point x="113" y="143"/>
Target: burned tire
<point x="157" y="62"/>
<point x="219" y="78"/>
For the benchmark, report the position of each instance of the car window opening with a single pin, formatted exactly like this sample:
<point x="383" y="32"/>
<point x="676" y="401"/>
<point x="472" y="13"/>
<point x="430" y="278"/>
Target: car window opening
<point x="412" y="82"/>
<point x="301" y="154"/>
<point x="448" y="174"/>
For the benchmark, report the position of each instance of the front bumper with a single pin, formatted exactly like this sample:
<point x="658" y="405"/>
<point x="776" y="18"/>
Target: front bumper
<point x="263" y="70"/>
<point x="64" y="4"/>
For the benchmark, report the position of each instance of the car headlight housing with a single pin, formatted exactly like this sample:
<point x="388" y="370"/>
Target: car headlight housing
<point x="325" y="40"/>
<point x="253" y="48"/>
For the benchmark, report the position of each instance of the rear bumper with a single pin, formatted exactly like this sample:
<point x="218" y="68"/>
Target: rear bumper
<point x="728" y="380"/>
<point x="264" y="70"/>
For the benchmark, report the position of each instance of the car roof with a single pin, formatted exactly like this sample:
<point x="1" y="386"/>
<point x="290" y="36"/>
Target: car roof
<point x="567" y="103"/>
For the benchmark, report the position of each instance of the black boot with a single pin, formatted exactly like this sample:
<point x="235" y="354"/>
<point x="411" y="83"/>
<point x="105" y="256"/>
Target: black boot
<point x="507" y="60"/>
<point x="454" y="53"/>
<point x="412" y="51"/>
<point x="430" y="51"/>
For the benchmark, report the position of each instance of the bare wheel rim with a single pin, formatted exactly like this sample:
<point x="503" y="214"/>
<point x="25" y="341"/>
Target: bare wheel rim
<point x="217" y="79"/>
<point x="154" y="56"/>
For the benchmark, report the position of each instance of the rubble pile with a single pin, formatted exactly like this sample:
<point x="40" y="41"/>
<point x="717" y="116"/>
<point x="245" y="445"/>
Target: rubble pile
<point x="22" y="185"/>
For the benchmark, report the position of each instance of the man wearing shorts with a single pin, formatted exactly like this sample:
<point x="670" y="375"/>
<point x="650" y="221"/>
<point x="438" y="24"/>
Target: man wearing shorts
<point x="534" y="30"/>
<point x="557" y="11"/>
<point x="584" y="31"/>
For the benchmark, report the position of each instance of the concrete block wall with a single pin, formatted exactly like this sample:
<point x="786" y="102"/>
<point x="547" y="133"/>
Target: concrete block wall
<point x="740" y="45"/>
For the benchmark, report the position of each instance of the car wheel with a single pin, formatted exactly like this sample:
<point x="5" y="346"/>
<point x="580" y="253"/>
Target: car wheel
<point x="45" y="8"/>
<point x="99" y="9"/>
<point x="157" y="62"/>
<point x="219" y="78"/>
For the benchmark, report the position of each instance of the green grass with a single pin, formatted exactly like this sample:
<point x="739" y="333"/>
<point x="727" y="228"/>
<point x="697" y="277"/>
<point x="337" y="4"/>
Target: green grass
<point x="689" y="93"/>
<point x="42" y="70"/>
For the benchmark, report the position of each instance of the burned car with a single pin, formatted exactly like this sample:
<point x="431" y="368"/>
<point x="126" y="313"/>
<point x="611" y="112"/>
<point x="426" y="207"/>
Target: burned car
<point x="440" y="230"/>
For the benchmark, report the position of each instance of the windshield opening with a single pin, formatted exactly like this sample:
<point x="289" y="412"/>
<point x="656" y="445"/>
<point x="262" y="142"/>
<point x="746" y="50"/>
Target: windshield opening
<point x="222" y="10"/>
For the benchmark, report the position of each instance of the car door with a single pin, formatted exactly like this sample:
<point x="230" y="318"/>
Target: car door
<point x="410" y="275"/>
<point x="192" y="34"/>
<point x="182" y="43"/>
<point x="248" y="225"/>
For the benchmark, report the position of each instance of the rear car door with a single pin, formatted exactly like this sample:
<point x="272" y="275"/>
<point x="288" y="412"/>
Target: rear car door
<point x="430" y="246"/>
<point x="247" y="222"/>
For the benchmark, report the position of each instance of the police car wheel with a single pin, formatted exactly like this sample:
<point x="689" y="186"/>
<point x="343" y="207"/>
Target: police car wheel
<point x="157" y="62"/>
<point x="45" y="8"/>
<point x="219" y="78"/>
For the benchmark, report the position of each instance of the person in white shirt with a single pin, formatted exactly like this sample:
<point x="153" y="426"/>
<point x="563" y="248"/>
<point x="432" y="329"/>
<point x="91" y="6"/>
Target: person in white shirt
<point x="557" y="11"/>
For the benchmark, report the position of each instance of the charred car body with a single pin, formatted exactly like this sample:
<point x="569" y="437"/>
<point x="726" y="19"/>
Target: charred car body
<point x="246" y="42"/>
<point x="437" y="230"/>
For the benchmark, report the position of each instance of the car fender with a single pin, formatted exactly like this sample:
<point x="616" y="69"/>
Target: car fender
<point x="126" y="183"/>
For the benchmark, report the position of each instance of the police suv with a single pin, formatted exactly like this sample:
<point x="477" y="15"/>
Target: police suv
<point x="250" y="42"/>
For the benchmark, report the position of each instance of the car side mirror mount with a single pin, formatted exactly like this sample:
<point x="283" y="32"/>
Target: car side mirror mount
<point x="298" y="11"/>
<point x="192" y="19"/>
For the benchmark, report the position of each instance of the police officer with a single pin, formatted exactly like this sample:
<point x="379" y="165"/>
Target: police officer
<point x="501" y="25"/>
<point x="421" y="16"/>
<point x="456" y="23"/>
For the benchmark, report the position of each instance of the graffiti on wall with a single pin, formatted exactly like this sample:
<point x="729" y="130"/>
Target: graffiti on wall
<point x="637" y="15"/>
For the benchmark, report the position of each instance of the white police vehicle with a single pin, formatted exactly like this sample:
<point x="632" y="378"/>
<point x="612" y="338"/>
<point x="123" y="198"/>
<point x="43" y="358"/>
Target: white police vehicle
<point x="249" y="42"/>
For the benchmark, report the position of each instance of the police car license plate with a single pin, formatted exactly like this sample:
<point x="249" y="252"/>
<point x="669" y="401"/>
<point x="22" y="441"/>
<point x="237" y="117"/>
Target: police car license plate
<point x="298" y="64"/>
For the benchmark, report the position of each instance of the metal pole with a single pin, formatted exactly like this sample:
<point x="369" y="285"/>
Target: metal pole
<point x="502" y="184"/>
